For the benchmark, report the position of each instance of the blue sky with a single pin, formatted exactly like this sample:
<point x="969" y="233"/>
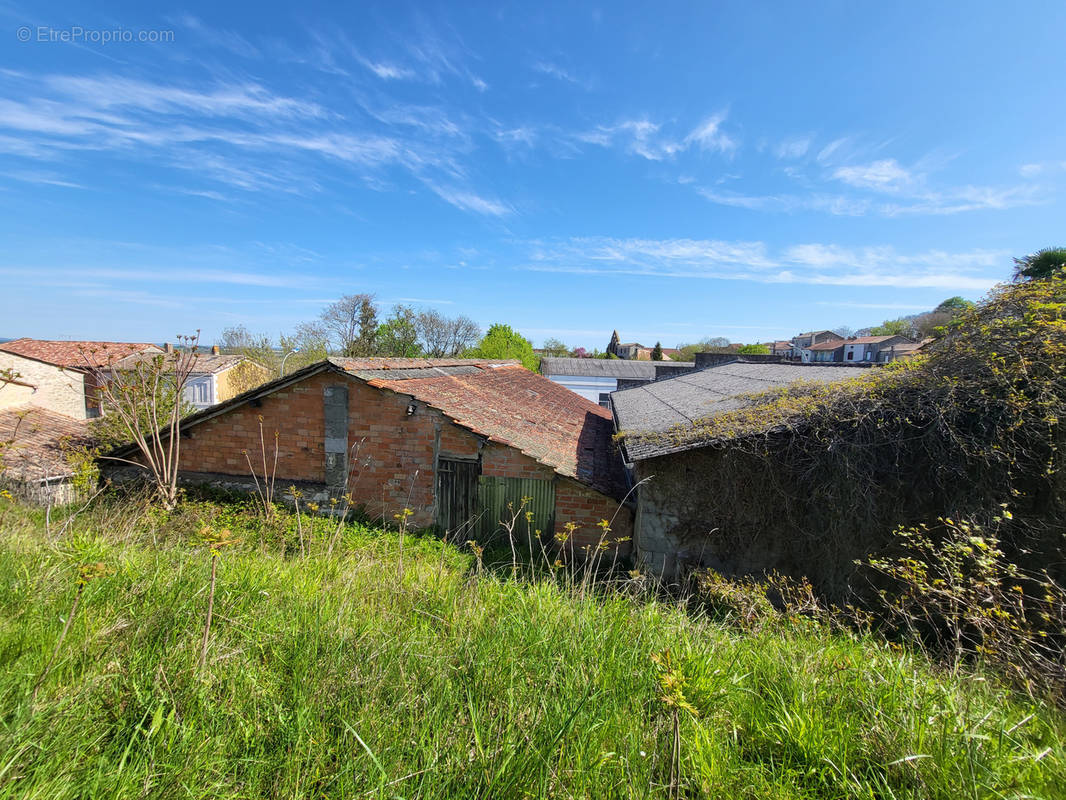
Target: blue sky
<point x="738" y="169"/>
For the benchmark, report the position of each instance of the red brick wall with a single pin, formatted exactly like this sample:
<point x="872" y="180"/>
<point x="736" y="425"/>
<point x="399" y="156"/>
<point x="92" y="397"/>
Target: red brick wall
<point x="575" y="502"/>
<point x="390" y="458"/>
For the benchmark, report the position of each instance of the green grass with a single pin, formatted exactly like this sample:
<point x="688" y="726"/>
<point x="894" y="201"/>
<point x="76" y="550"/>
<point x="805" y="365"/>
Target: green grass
<point x="332" y="676"/>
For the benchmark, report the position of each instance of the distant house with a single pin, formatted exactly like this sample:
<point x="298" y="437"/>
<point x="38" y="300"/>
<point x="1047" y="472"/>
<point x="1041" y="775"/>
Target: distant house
<point x="595" y="378"/>
<point x="873" y="349"/>
<point x="28" y="382"/>
<point x="81" y="359"/>
<point x="896" y="352"/>
<point x="780" y="348"/>
<point x="635" y="351"/>
<point x="677" y="523"/>
<point x="822" y="352"/>
<point x="215" y="378"/>
<point x="803" y="341"/>
<point x="454" y="440"/>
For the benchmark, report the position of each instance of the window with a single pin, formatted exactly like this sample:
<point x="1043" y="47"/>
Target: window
<point x="851" y="355"/>
<point x="605" y="399"/>
<point x="198" y="392"/>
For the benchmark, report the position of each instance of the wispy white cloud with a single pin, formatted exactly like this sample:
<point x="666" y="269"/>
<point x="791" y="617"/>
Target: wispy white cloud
<point x="469" y="201"/>
<point x="818" y="264"/>
<point x="1041" y="168"/>
<point x="793" y="148"/>
<point x="645" y="138"/>
<point x="708" y="135"/>
<point x="212" y="37"/>
<point x="389" y="72"/>
<point x="885" y="174"/>
<point x="555" y="71"/>
<point x="240" y="134"/>
<point x="831" y="149"/>
<point x="43" y="178"/>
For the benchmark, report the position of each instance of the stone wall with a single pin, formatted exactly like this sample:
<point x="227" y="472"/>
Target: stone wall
<point x="57" y="389"/>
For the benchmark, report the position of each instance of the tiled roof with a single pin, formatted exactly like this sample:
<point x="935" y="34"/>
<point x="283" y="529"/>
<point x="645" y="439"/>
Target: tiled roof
<point x="498" y="399"/>
<point x="874" y="339"/>
<point x="667" y="404"/>
<point x="78" y="354"/>
<point x="41" y="438"/>
<point x="353" y="364"/>
<point x="513" y="406"/>
<point x="205" y="364"/>
<point x="826" y="345"/>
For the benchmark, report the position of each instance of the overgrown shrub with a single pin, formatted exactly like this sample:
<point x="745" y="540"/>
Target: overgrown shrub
<point x="817" y="478"/>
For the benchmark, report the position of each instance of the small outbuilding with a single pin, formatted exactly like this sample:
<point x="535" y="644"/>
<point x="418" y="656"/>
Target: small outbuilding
<point x="460" y="442"/>
<point x="679" y="522"/>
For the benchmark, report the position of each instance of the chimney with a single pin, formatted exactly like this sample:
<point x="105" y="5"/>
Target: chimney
<point x="215" y="350"/>
<point x="168" y="347"/>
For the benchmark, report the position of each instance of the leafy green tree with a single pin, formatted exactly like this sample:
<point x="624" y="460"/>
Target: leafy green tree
<point x="398" y="335"/>
<point x="502" y="341"/>
<point x="754" y="350"/>
<point x="657" y="352"/>
<point x="1041" y="264"/>
<point x="714" y="344"/>
<point x="893" y="327"/>
<point x="555" y="348"/>
<point x="953" y="305"/>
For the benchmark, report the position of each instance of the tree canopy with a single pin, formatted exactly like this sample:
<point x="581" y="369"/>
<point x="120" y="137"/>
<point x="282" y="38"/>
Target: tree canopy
<point x="502" y="341"/>
<point x="1041" y="264"/>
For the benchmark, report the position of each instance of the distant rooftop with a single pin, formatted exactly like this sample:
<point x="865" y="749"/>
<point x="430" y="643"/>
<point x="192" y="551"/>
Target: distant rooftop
<point x="205" y="363"/>
<point x="39" y="442"/>
<point x="667" y="404"/>
<point x="605" y="367"/>
<point x="76" y="354"/>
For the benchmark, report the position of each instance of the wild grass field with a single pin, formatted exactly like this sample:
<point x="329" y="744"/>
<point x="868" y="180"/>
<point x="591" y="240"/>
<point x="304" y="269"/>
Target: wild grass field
<point x="372" y="671"/>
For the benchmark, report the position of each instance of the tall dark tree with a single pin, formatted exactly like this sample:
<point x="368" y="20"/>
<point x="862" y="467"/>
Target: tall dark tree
<point x="657" y="352"/>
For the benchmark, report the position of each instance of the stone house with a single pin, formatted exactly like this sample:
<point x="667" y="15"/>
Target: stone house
<point x="81" y="360"/>
<point x="454" y="440"/>
<point x="26" y="382"/>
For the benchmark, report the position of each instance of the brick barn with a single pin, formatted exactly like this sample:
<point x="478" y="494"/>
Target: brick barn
<point x="455" y="440"/>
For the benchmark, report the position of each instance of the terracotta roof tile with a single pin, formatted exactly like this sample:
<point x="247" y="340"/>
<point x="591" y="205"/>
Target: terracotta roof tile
<point x="511" y="405"/>
<point x="205" y="363"/>
<point x="40" y="441"/>
<point x="77" y="354"/>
